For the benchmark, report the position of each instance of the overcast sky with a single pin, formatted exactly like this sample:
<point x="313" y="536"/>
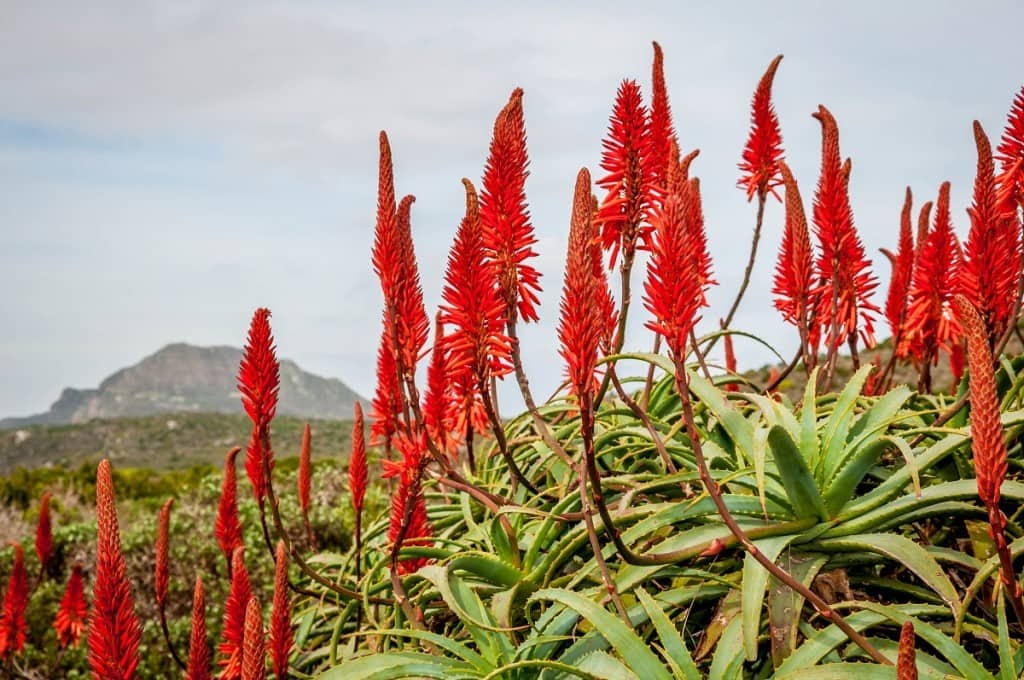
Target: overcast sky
<point x="166" y="167"/>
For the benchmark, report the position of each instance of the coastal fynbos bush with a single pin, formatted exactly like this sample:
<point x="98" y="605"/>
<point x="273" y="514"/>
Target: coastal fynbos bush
<point x="661" y="516"/>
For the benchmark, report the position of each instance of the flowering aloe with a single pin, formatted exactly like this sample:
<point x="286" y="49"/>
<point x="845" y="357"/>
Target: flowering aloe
<point x="233" y="630"/>
<point x="678" y="273"/>
<point x="114" y="631"/>
<point x="281" y="615"/>
<point x="12" y="624"/>
<point x="988" y="445"/>
<point x="507" y="233"/>
<point x="198" y="648"/>
<point x="730" y="362"/>
<point x="357" y="461"/>
<point x="408" y="521"/>
<point x="759" y="171"/>
<point x="902" y="272"/>
<point x="845" y="308"/>
<point x="930" y="323"/>
<point x="628" y="176"/>
<point x="991" y="272"/>
<point x="1010" y="155"/>
<point x="387" y="399"/>
<point x="162" y="569"/>
<point x="70" y="622"/>
<point x="228" y="528"/>
<point x="661" y="131"/>
<point x="258" y="381"/>
<point x="254" y="650"/>
<point x="436" y="412"/>
<point x="44" y="533"/>
<point x="794" y="287"/>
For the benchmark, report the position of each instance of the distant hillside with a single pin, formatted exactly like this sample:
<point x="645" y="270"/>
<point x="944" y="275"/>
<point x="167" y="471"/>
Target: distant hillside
<point x="185" y="378"/>
<point x="166" y="441"/>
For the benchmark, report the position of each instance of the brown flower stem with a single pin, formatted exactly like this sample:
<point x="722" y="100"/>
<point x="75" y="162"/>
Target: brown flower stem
<point x="488" y="503"/>
<point x="743" y="539"/>
<point x="700" y="355"/>
<point x="470" y="457"/>
<point x="643" y="417"/>
<point x="167" y="639"/>
<point x="762" y="199"/>
<point x="310" y="539"/>
<point x="499" y="437"/>
<point x="587" y="433"/>
<point x="649" y="382"/>
<point x="1008" y="576"/>
<point x="358" y="550"/>
<point x="412" y="613"/>
<point x="774" y="385"/>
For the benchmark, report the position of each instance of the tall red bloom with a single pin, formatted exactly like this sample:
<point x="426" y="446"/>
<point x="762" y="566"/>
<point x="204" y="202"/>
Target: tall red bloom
<point x="991" y="271"/>
<point x="44" y="533"/>
<point x="508" y="234"/>
<point x="114" y="630"/>
<point x="661" y="131"/>
<point x="408" y="494"/>
<point x="930" y="323"/>
<point x="603" y="301"/>
<point x="12" y="625"/>
<point x="906" y="659"/>
<point x="629" y="177"/>
<point x="678" y="273"/>
<point x="198" y="649"/>
<point x="988" y="444"/>
<point x="228" y="528"/>
<point x="759" y="169"/>
<point x="281" y="615"/>
<point x="162" y="569"/>
<point x="357" y="462"/>
<point x="69" y="624"/>
<point x="477" y="347"/>
<point x="387" y="399"/>
<point x="254" y="649"/>
<point x="845" y="306"/>
<point x="438" y="393"/>
<point x="233" y="630"/>
<point x="1010" y="155"/>
<point x="258" y="381"/>
<point x="582" y="324"/>
<point x="413" y="323"/>
<point x="902" y="272"/>
<point x="305" y="471"/>
<point x="794" y="270"/>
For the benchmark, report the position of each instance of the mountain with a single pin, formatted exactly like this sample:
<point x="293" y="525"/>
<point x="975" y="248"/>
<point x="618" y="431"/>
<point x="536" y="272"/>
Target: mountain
<point x="182" y="378"/>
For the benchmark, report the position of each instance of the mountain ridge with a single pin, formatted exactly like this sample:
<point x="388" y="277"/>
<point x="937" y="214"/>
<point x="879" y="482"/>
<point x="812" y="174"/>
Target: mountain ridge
<point x="185" y="378"/>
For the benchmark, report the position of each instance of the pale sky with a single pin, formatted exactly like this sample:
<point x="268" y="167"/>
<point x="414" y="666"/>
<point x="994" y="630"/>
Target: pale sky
<point x="166" y="167"/>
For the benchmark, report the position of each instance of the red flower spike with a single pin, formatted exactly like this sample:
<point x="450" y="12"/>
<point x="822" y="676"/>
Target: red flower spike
<point x="794" y="269"/>
<point x="408" y="491"/>
<point x="357" y="462"/>
<point x="281" y="615"/>
<point x="387" y="399"/>
<point x="629" y="177"/>
<point x="477" y="346"/>
<point x="678" y="273"/>
<point x="114" y="630"/>
<point x="304" y="471"/>
<point x="957" y="358"/>
<point x="991" y="271"/>
<point x="258" y="381"/>
<point x="661" y="131"/>
<point x="44" y="533"/>
<point x="69" y="624"/>
<point x="930" y="323"/>
<point x="843" y="267"/>
<point x="504" y="216"/>
<point x="228" y="528"/>
<point x="198" y="649"/>
<point x="902" y="271"/>
<point x="386" y="251"/>
<point x="413" y="324"/>
<point x="906" y="660"/>
<point x="987" y="441"/>
<point x="12" y="625"/>
<point x="604" y="301"/>
<point x="1010" y="155"/>
<point x="233" y="630"/>
<point x="254" y="650"/>
<point x="162" y="569"/>
<point x="582" y="324"/>
<point x="760" y="172"/>
<point x="437" y="394"/>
